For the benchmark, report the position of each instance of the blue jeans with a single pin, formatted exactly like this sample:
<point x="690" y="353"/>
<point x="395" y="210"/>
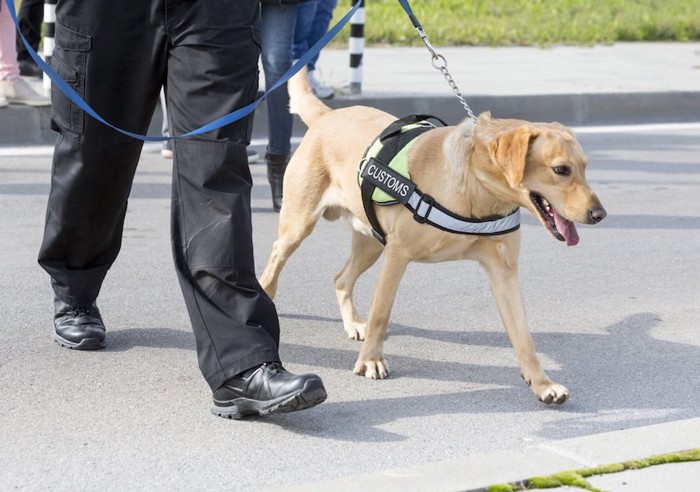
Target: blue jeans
<point x="277" y="37"/>
<point x="313" y="19"/>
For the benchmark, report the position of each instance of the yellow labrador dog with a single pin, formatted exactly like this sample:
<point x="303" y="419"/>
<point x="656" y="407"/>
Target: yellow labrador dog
<point x="474" y="170"/>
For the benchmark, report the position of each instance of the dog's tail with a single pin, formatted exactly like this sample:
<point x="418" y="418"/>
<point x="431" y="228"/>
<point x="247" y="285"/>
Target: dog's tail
<point x="302" y="100"/>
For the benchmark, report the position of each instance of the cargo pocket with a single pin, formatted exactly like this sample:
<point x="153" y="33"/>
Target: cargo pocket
<point x="69" y="60"/>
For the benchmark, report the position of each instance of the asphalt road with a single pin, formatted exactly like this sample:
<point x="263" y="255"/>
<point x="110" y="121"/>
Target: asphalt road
<point x="615" y="319"/>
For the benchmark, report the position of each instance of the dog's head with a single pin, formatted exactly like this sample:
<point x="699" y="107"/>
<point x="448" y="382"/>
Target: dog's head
<point x="544" y="169"/>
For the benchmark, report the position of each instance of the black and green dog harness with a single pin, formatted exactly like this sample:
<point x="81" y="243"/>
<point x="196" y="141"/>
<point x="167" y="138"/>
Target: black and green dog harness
<point x="384" y="180"/>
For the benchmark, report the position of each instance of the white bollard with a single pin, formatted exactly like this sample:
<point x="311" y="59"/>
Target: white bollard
<point x="356" y="47"/>
<point x="49" y="34"/>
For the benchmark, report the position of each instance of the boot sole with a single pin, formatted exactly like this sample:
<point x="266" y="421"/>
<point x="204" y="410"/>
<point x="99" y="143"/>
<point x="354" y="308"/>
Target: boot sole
<point x="309" y="396"/>
<point x="84" y="344"/>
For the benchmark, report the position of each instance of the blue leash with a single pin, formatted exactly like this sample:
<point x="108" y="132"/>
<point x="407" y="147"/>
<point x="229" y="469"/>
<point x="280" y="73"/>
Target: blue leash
<point x="411" y="15"/>
<point x="218" y="123"/>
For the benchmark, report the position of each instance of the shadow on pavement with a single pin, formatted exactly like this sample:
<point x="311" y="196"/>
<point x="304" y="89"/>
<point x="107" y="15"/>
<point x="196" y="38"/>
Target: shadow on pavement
<point x="621" y="379"/>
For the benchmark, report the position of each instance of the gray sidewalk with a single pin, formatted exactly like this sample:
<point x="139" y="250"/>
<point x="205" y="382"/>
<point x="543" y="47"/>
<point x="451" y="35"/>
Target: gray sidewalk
<point x="575" y="85"/>
<point x="616" y="84"/>
<point x="475" y="473"/>
<point x="615" y="319"/>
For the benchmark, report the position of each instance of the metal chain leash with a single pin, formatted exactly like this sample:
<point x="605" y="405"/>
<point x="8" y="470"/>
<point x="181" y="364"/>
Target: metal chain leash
<point x="439" y="62"/>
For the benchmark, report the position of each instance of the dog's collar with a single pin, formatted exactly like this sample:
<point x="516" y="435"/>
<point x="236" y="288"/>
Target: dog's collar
<point x="378" y="179"/>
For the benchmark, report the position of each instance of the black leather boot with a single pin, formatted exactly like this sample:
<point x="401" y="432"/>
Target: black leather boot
<point x="266" y="389"/>
<point x="276" y="165"/>
<point x="79" y="328"/>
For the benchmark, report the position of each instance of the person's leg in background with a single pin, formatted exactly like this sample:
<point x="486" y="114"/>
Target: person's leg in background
<point x="9" y="70"/>
<point x="29" y="18"/>
<point x="319" y="26"/>
<point x="13" y="88"/>
<point x="305" y="17"/>
<point x="311" y="17"/>
<point x="278" y="35"/>
<point x="212" y="71"/>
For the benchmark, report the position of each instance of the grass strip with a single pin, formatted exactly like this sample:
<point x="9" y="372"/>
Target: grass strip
<point x="527" y="22"/>
<point x="577" y="478"/>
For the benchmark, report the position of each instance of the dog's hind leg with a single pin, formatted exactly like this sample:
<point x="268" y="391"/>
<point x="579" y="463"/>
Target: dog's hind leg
<point x="501" y="265"/>
<point x="297" y="220"/>
<point x="364" y="252"/>
<point x="291" y="234"/>
<point x="303" y="193"/>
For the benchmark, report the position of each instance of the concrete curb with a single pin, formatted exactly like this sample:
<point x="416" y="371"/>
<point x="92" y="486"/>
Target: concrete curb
<point x="25" y="125"/>
<point x="569" y="109"/>
<point x="475" y="473"/>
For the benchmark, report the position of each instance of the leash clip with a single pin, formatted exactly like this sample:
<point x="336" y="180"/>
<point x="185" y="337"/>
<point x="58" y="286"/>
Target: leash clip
<point x="439" y="62"/>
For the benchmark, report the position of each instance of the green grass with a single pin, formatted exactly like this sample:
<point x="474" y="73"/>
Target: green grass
<point x="527" y="22"/>
<point x="577" y="478"/>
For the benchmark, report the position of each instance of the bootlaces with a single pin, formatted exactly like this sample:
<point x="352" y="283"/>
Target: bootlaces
<point x="81" y="311"/>
<point x="275" y="367"/>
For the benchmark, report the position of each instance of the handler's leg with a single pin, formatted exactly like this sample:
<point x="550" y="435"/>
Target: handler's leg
<point x="212" y="71"/>
<point x="94" y="165"/>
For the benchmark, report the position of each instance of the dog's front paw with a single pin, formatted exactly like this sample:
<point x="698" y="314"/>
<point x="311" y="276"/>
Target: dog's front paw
<point x="547" y="390"/>
<point x="552" y="393"/>
<point x="372" y="369"/>
<point x="356" y="330"/>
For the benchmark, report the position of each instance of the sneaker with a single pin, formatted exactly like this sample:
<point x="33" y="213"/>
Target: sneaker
<point x="20" y="92"/>
<point x="29" y="68"/>
<point x="167" y="150"/>
<point x="253" y="156"/>
<point x="321" y="91"/>
<point x="79" y="328"/>
<point x="266" y="389"/>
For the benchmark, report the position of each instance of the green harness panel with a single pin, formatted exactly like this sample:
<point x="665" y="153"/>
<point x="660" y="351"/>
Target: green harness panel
<point x="395" y="151"/>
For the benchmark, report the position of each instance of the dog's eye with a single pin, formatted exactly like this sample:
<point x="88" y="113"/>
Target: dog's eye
<point x="562" y="170"/>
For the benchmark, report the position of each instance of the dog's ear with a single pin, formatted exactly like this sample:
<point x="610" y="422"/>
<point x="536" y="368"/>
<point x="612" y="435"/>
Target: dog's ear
<point x="508" y="152"/>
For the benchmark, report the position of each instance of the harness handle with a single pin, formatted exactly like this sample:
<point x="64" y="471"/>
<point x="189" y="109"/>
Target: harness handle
<point x="398" y="125"/>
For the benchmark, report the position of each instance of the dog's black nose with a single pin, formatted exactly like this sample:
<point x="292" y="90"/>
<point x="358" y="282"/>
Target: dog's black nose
<point x="597" y="214"/>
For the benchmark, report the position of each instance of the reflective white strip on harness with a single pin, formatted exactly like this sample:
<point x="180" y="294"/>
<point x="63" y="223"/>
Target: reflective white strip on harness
<point x="426" y="211"/>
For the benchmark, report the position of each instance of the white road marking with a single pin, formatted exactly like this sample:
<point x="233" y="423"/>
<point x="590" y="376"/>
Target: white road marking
<point x="27" y="151"/>
<point x="47" y="150"/>
<point x="651" y="127"/>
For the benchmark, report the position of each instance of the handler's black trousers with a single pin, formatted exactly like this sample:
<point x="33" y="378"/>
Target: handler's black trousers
<point x="117" y="54"/>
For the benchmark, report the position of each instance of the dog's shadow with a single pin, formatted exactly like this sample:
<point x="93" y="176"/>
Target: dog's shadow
<point x="623" y="377"/>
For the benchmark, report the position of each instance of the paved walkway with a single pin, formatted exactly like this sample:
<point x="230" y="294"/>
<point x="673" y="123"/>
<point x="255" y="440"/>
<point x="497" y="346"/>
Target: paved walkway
<point x="622" y="83"/>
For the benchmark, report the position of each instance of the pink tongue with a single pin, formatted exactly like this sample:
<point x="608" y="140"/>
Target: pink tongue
<point x="566" y="228"/>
